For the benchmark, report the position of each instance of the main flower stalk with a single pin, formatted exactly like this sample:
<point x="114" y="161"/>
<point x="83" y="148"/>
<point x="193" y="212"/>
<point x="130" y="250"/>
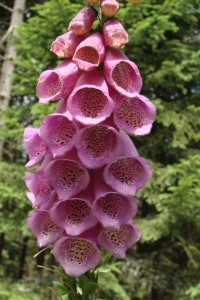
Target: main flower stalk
<point x="82" y="193"/>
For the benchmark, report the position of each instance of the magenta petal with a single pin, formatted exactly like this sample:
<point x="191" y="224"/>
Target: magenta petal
<point x="97" y="145"/>
<point x="90" y="52"/>
<point x="34" y="146"/>
<point x="117" y="241"/>
<point x="121" y="73"/>
<point x="76" y="255"/>
<point x="58" y="131"/>
<point x="43" y="228"/>
<point x="59" y="82"/>
<point x="90" y="102"/>
<point x="109" y="7"/>
<point x="83" y="21"/>
<point x="128" y="147"/>
<point x="74" y="215"/>
<point x="67" y="176"/>
<point x="65" y="44"/>
<point x="114" y="34"/>
<point x="135" y="115"/>
<point x="127" y="174"/>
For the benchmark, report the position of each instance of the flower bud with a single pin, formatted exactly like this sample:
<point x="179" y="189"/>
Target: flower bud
<point x="109" y="7"/>
<point x="82" y="22"/>
<point x="114" y="34"/>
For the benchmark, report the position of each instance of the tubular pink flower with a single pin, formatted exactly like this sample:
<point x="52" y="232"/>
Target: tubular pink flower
<point x="58" y="132"/>
<point x="111" y="208"/>
<point x="77" y="255"/>
<point x="43" y="228"/>
<point x="135" y="115"/>
<point x="67" y="176"/>
<point x="90" y="52"/>
<point x="121" y="73"/>
<point x="40" y="187"/>
<point x="127" y="174"/>
<point x="114" y="34"/>
<point x="117" y="241"/>
<point x="97" y="145"/>
<point x="109" y="7"/>
<point x="65" y="45"/>
<point x="59" y="82"/>
<point x="83" y="21"/>
<point x="34" y="146"/>
<point x="74" y="215"/>
<point x="90" y="102"/>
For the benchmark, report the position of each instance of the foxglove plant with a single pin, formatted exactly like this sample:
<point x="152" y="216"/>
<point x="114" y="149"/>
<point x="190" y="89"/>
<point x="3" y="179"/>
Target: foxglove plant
<point x="82" y="193"/>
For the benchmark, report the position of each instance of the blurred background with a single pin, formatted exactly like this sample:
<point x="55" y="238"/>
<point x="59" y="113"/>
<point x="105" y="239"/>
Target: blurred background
<point x="164" y="43"/>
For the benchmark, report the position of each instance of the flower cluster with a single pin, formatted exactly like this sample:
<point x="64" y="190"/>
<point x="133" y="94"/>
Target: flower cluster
<point x="83" y="190"/>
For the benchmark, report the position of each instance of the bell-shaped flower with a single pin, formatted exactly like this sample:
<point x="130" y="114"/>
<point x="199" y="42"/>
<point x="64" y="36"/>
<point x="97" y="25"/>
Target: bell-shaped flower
<point x="77" y="255"/>
<point x="109" y="7"/>
<point x="117" y="241"/>
<point x="121" y="73"/>
<point x="34" y="145"/>
<point x="114" y="34"/>
<point x="74" y="215"/>
<point x="83" y="21"/>
<point x="97" y="145"/>
<point x="65" y="45"/>
<point x="135" y="115"/>
<point x="67" y="176"/>
<point x="39" y="187"/>
<point x="59" y="82"/>
<point x="58" y="132"/>
<point x="90" y="102"/>
<point x="109" y="207"/>
<point x="45" y="230"/>
<point x="90" y="52"/>
<point x="129" y="172"/>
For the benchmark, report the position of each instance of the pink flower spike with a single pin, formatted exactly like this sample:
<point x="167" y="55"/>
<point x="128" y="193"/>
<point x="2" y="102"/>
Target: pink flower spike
<point x="127" y="174"/>
<point x="114" y="34"/>
<point x="67" y="176"/>
<point x="58" y="132"/>
<point x="59" y="82"/>
<point x="43" y="228"/>
<point x="97" y="145"/>
<point x="135" y="115"/>
<point x="77" y="255"/>
<point x="65" y="45"/>
<point x="90" y="52"/>
<point x="109" y="7"/>
<point x="121" y="73"/>
<point x="74" y="215"/>
<point x="34" y="146"/>
<point x="90" y="102"/>
<point x="83" y="21"/>
<point x="117" y="241"/>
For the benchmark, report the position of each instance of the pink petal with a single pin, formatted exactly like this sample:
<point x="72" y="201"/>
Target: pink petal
<point x="83" y="21"/>
<point x="114" y="34"/>
<point x="109" y="7"/>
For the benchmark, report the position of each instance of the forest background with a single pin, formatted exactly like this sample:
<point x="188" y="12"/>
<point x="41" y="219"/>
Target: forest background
<point x="164" y="43"/>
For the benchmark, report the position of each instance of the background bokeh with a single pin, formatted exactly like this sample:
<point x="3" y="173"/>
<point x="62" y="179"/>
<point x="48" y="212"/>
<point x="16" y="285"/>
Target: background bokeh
<point x="164" y="43"/>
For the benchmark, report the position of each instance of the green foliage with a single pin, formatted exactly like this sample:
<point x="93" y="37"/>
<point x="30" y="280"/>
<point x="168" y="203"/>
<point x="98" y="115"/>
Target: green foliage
<point x="10" y="291"/>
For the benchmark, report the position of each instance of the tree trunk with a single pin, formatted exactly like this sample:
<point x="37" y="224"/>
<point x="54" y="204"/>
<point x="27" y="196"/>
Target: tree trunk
<point x="22" y="258"/>
<point x="7" y="66"/>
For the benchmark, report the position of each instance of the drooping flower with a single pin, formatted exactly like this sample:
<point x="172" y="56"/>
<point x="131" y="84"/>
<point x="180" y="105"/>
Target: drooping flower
<point x="135" y="115"/>
<point x="34" y="146"/>
<point x="117" y="241"/>
<point x="65" y="45"/>
<point x="90" y="52"/>
<point x="79" y="254"/>
<point x="121" y="73"/>
<point x="97" y="145"/>
<point x="59" y="82"/>
<point x="58" y="132"/>
<point x="82" y="22"/>
<point x="67" y="176"/>
<point x="114" y="34"/>
<point x="90" y="102"/>
<point x="109" y="7"/>
<point x="45" y="230"/>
